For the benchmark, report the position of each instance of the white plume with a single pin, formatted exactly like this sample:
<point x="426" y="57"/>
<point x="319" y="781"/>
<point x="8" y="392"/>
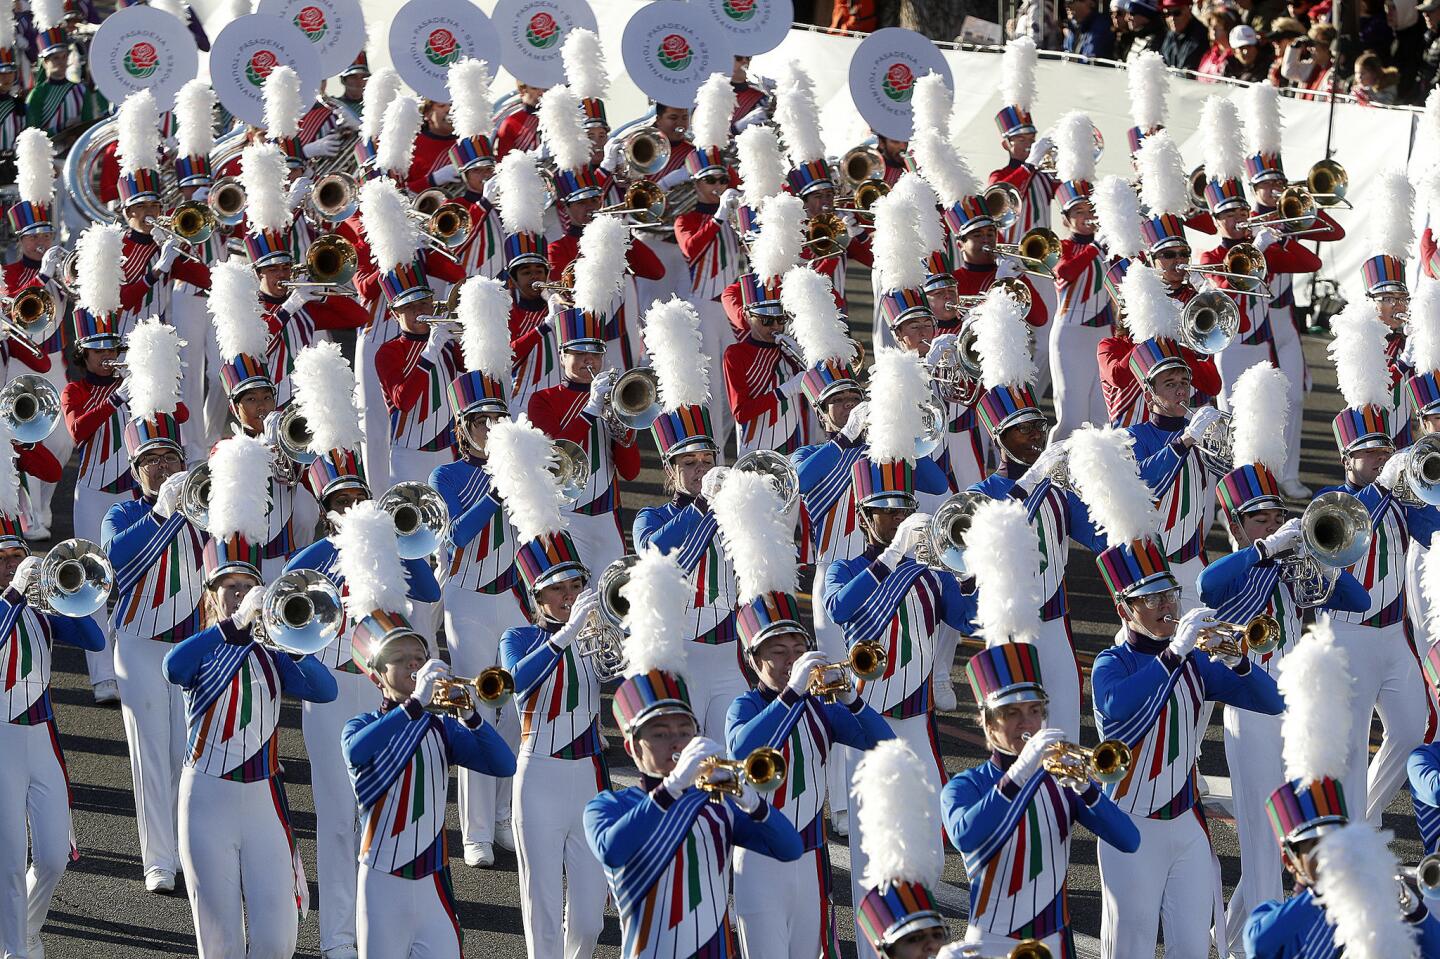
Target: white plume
<point x="264" y="175"/>
<point x="1423" y="328"/>
<point x="561" y="130"/>
<point x="1358" y="352"/>
<point x="234" y="306"/>
<point x="1150" y="312"/>
<point x="782" y="235"/>
<point x="899" y="248"/>
<point x="1149" y="83"/>
<point x="1075" y="147"/>
<point x="137" y="144"/>
<point x="367" y="557"/>
<point x="471" y="105"/>
<point x="600" y="269"/>
<point x="393" y="234"/>
<point x="9" y="472"/>
<point x="899" y="387"/>
<point x="797" y="116"/>
<point x="1017" y="73"/>
<point x="714" y="106"/>
<point x="517" y="457"/>
<point x="398" y="129"/>
<point x="1103" y="468"/>
<point x="930" y="229"/>
<point x="195" y="119"/>
<point x="283" y="108"/>
<point x="35" y="166"/>
<point x="817" y="324"/>
<point x="1164" y="183"/>
<point x="656" y="595"/>
<point x="895" y="811"/>
<point x="48" y="13"/>
<point x="1117" y="209"/>
<point x="1315" y="729"/>
<point x="1222" y="139"/>
<point x="1355" y="876"/>
<point x="1264" y="126"/>
<point x="1259" y="400"/>
<point x="238" y="504"/>
<point x="930" y="104"/>
<point x="943" y="166"/>
<point x="757" y="533"/>
<point x="584" y="60"/>
<point x="484" y="312"/>
<point x="323" y="389"/>
<point x="1430" y="125"/>
<point x="762" y="166"/>
<point x="1010" y="594"/>
<point x="238" y="8"/>
<point x="1002" y="340"/>
<point x="382" y="87"/>
<point x="98" y="267"/>
<point x="520" y="193"/>
<point x="1389" y="219"/>
<point x="153" y="360"/>
<point x="677" y="353"/>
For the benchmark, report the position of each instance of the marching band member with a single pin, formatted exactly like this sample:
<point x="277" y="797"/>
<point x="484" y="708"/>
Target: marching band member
<point x="399" y="755"/>
<point x="242" y="871"/>
<point x="430" y="164"/>
<point x="762" y="375"/>
<point x="520" y="130"/>
<point x="1023" y="167"/>
<point x="520" y="200"/>
<point x="34" y="797"/>
<point x="978" y="267"/>
<point x="479" y="593"/>
<point x="156" y="552"/>
<point x="1391" y="237"/>
<point x="762" y="174"/>
<point x="1147" y="82"/>
<point x="579" y="408"/>
<point x="56" y="104"/>
<point x="1148" y="690"/>
<point x="1001" y="813"/>
<point x="473" y="160"/>
<point x="380" y="90"/>
<point x="673" y="123"/>
<point x="753" y="96"/>
<point x="12" y="104"/>
<point x="665" y="848"/>
<point x="1165" y="195"/>
<point x="1346" y="877"/>
<point x="1423" y="388"/>
<point x="785" y="908"/>
<point x="1118" y="231"/>
<point x="561" y="750"/>
<point x="588" y="75"/>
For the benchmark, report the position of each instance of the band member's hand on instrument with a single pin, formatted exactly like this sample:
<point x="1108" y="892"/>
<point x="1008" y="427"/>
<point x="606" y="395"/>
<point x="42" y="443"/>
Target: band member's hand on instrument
<point x="852" y="225"/>
<point x="1008" y="268"/>
<point x="939" y="346"/>
<point x="802" y="668"/>
<point x="907" y="534"/>
<point x="298" y="299"/>
<point x="749" y="798"/>
<point x="614" y="159"/>
<point x="1027" y="764"/>
<point x="170" y="251"/>
<point x="1050" y="457"/>
<point x="855" y="425"/>
<point x="440" y="336"/>
<point x="25" y="574"/>
<point x="299" y="191"/>
<point x="600" y="388"/>
<point x="168" y="496"/>
<point x="585" y="604"/>
<point x="491" y="190"/>
<point x="1201" y="420"/>
<point x="445" y="175"/>
<point x="712" y="481"/>
<point x="1287" y="537"/>
<point x="1187" y="631"/>
<point x="1043" y="145"/>
<point x="1390" y="475"/>
<point x="687" y="767"/>
<point x="729" y="203"/>
<point x="425" y="677"/>
<point x="1266" y="238"/>
<point x="50" y="262"/>
<point x="249" y="607"/>
<point x="326" y="146"/>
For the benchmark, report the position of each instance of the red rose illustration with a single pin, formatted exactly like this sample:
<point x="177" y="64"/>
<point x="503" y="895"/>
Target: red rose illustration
<point x="260" y="65"/>
<point x="898" y="81"/>
<point x="143" y="55"/>
<point x="739" y="9"/>
<point x="311" y="20"/>
<point x="675" y="53"/>
<point x="543" y="31"/>
<point x="441" y="47"/>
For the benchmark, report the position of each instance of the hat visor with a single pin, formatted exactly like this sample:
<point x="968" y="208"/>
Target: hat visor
<point x="560" y="573"/>
<point x="913" y="313"/>
<point x="343" y="483"/>
<point x="1315" y="828"/>
<point x="707" y="170"/>
<point x="586" y="345"/>
<point x="1164" y="365"/>
<point x="39" y="226"/>
<point x="538" y="259"/>
<point x="9" y="541"/>
<point x="1387" y="286"/>
<point x="1370" y="441"/>
<point x="663" y="707"/>
<point x="813" y="185"/>
<point x="277" y="258"/>
<point x="1020" y="130"/>
<point x="692" y="444"/>
<point x="1162" y="582"/>
<point x="99" y="341"/>
<point x="976" y="223"/>
<point x="936" y="282"/>
<point x="914" y="922"/>
<point x="1020" y="417"/>
<point x="413" y="295"/>
<point x="145" y="196"/>
<point x="889" y="499"/>
<point x="488" y="161"/>
<point x="154" y="442"/>
<point x="250" y="383"/>
<point x="588" y="193"/>
<point x="377" y="652"/>
<point x="487" y="405"/>
<point x="231" y="566"/>
<point x="1018" y="693"/>
<point x="1258" y="503"/>
<point x="779" y="627"/>
<point x="765" y="308"/>
<point x="835" y="388"/>
<point x="1166" y="242"/>
<point x="1228" y="204"/>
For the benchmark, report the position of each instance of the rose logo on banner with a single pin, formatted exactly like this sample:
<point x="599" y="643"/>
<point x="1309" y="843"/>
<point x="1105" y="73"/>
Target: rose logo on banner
<point x="311" y="21"/>
<point x="898" y="82"/>
<point x="542" y="32"/>
<point x="674" y="52"/>
<point x="441" y="47"/>
<point x="141" y="60"/>
<point x="260" y="65"/>
<point x="739" y="10"/>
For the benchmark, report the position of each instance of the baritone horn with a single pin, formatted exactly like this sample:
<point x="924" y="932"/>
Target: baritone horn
<point x="647" y="152"/>
<point x="422" y="520"/>
<point x="227" y="200"/>
<point x="194" y="502"/>
<point x="330" y="263"/>
<point x="602" y="637"/>
<point x="192" y="222"/>
<point x="74" y="580"/>
<point x="942" y="542"/>
<point x="571" y="467"/>
<point x="492" y="689"/>
<point x="1328" y="182"/>
<point x="1336" y="530"/>
<point x="1419" y="483"/>
<point x="301" y="613"/>
<point x="30" y="313"/>
<point x="1076" y="765"/>
<point x="30" y="406"/>
<point x="1017" y="288"/>
<point x="450" y="225"/>
<point x="866" y="662"/>
<point x="764" y="769"/>
<point x="825" y="235"/>
<point x="1210" y="322"/>
<point x="335" y="197"/>
<point x="776" y="468"/>
<point x="633" y="403"/>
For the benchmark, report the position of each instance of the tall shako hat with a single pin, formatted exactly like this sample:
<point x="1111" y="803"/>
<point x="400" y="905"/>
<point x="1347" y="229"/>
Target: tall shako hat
<point x="1148" y="81"/>
<point x="322" y="387"/>
<point x="518" y="458"/>
<point x="895" y="811"/>
<point x="677" y="354"/>
<point x="1118" y="500"/>
<point x="1009" y="598"/>
<point x="1074" y="159"/>
<point x="599" y="276"/>
<point x="564" y="137"/>
<point x="1135" y="569"/>
<point x="471" y="113"/>
<point x="137" y="147"/>
<point x="586" y="74"/>
<point x="762" y="173"/>
<point x="50" y="35"/>
<point x="1017" y="87"/>
<point x="1260" y="398"/>
<point x="1264" y="128"/>
<point x="283" y="110"/>
<point x="1117" y="216"/>
<point x="241" y="332"/>
<point x="820" y="330"/>
<point x="1153" y="317"/>
<point x="774" y="251"/>
<point x="798" y="118"/>
<point x="1223" y="142"/>
<point x="394" y="238"/>
<point x="1165" y="191"/>
<point x="899" y="390"/>
<point x="153" y="378"/>
<point x="34" y="181"/>
<point x="710" y="127"/>
<point x="900" y="248"/>
<point x="655" y="644"/>
<point x="484" y="314"/>
<point x="264" y="174"/>
<point x="99" y="259"/>
<point x="957" y="188"/>
<point x="399" y="127"/>
<point x="1007" y="367"/>
<point x="194" y="133"/>
<point x="758" y="535"/>
<point x="238" y="519"/>
<point x="1423" y="344"/>
<point x="1390" y="232"/>
<point x="12" y="518"/>
<point x="382" y="87"/>
<point x="520" y="198"/>
<point x="1361" y="367"/>
<point x="376" y="593"/>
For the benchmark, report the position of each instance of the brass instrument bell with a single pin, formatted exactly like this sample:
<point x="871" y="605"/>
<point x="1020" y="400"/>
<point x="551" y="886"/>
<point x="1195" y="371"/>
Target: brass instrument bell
<point x="1328" y="182"/>
<point x="450" y="224"/>
<point x="602" y="637"/>
<point x="644" y="202"/>
<point x="764" y="769"/>
<point x="1038" y="251"/>
<point x="227" y="199"/>
<point x="825" y="235"/>
<point x="74" y="580"/>
<point x="192" y="222"/>
<point x="31" y="311"/>
<point x="422" y="520"/>
<point x="865" y="196"/>
<point x="30" y="406"/>
<point x="1209" y="322"/>
<point x="647" y="151"/>
<point x="777" y="468"/>
<point x="1074" y="764"/>
<point x="194" y="502"/>
<point x="1419" y="483"/>
<point x="330" y="263"/>
<point x="1002" y="202"/>
<point x="942" y="541"/>
<point x="633" y="403"/>
<point x="428" y="201"/>
<point x="865" y="662"/>
<point x="571" y="467"/>
<point x="335" y="197"/>
<point x="493" y="688"/>
<point x="301" y="613"/>
<point x="861" y="163"/>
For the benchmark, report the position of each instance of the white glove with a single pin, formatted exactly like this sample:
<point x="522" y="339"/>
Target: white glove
<point x="711" y="482"/>
<point x="687" y="767"/>
<point x="1391" y="473"/>
<point x="852" y="225"/>
<point x="491" y="190"/>
<point x="788" y="343"/>
<point x="1027" y="764"/>
<point x="121" y="396"/>
<point x="299" y="191"/>
<point x="802" y="668"/>
<point x="50" y="262"/>
<point x="425" y="677"/>
<point x="1043" y="145"/>
<point x="249" y="607"/>
<point x="168" y="496"/>
<point x="1200" y="421"/>
<point x="1187" y="633"/>
<point x="440" y="336"/>
<point x="749" y="799"/>
<point x="1287" y="537"/>
<point x="326" y="146"/>
<point x="585" y="604"/>
<point x="855" y="425"/>
<point x="938" y="346"/>
<point x="600" y="388"/>
<point x="299" y="298"/>
<point x="170" y="251"/>
<point x="25" y="573"/>
<point x="1049" y="457"/>
<point x="445" y="175"/>
<point x="906" y="535"/>
<point x="1007" y="268"/>
<point x="614" y="158"/>
<point x="729" y="203"/>
<point x="1266" y="238"/>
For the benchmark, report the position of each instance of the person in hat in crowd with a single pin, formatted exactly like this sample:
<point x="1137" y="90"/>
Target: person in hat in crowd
<point x="473" y="159"/>
<point x="1349" y="888"/>
<point x="557" y="687"/>
<point x="479" y="592"/>
<point x="986" y="808"/>
<point x="1309" y="62"/>
<point x="34" y="799"/>
<point x="353" y="80"/>
<point x="665" y="848"/>
<point x="1145" y="31"/>
<point x="520" y="129"/>
<point x="1185" y="39"/>
<point x="1148" y="689"/>
<point x="785" y="908"/>
<point x="1025" y="151"/>
<point x="55" y="103"/>
<point x="520" y="202"/>
<point x="1249" y="60"/>
<point x="399" y="755"/>
<point x="237" y="845"/>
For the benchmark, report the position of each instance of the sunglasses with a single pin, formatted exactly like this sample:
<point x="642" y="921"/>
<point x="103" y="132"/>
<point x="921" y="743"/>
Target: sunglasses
<point x="768" y="321"/>
<point x="1172" y="254"/>
<point x="714" y="180"/>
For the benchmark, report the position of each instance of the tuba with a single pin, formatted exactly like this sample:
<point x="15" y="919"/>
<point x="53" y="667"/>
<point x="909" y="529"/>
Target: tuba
<point x="1328" y="182"/>
<point x="227" y="199"/>
<point x="30" y="406"/>
<point x="602" y="637"/>
<point x="1209" y="322"/>
<point x="1076" y="765"/>
<point x="571" y="467"/>
<point x="330" y="263"/>
<point x="633" y="403"/>
<point x="301" y="613"/>
<point x="647" y="152"/>
<point x="1337" y="529"/>
<point x="865" y="663"/>
<point x="1419" y="483"/>
<point x="942" y="542"/>
<point x="764" y="769"/>
<point x="861" y="164"/>
<point x="335" y="197"/>
<point x="74" y="580"/>
<point x="422" y="520"/>
<point x="777" y="468"/>
<point x="492" y="689"/>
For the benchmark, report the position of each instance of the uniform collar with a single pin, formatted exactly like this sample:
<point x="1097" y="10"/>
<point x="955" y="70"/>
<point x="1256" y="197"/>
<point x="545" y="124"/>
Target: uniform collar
<point x="1141" y="643"/>
<point x="135" y="236"/>
<point x="29" y="264"/>
<point x="95" y="380"/>
<point x="1002" y="760"/>
<point x="1082" y="239"/>
<point x="413" y="337"/>
<point x="532" y="304"/>
<point x="1170" y="424"/>
<point x="976" y="267"/>
<point x="1012" y="469"/>
<point x="575" y="387"/>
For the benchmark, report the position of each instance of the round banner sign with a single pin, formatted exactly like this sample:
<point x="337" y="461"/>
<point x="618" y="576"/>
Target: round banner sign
<point x="336" y="28"/>
<point x="427" y="36"/>
<point x="883" y="72"/>
<point x="670" y="48"/>
<point x="531" y="33"/>
<point x="142" y="48"/>
<point x="245" y="52"/>
<point x="754" y="26"/>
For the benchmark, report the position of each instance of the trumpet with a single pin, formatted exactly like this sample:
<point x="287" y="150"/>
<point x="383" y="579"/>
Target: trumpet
<point x="74" y="580"/>
<point x="335" y="197"/>
<point x="865" y="663"/>
<point x="1038" y="251"/>
<point x="633" y="403"/>
<point x="330" y="263"/>
<point x="1328" y="182"/>
<point x="1244" y="266"/>
<point x="192" y="222"/>
<point x="865" y="196"/>
<point x="1237" y="640"/>
<point x="602" y="638"/>
<point x="1018" y="290"/>
<point x="291" y="444"/>
<point x="1002" y="202"/>
<point x="422" y="520"/>
<point x="450" y="225"/>
<point x="571" y="467"/>
<point x="1336" y="530"/>
<point x="1210" y="322"/>
<point x="826" y="235"/>
<point x="301" y="613"/>
<point x="30" y="406"/>
<point x="1425" y="874"/>
<point x="227" y="200"/>
<point x="860" y="164"/>
<point x="492" y="689"/>
<point x="1419" y="483"/>
<point x="194" y="502"/>
<point x="764" y="769"/>
<point x="644" y="202"/>
<point x="942" y="542"/>
<point x="1074" y="765"/>
<point x="647" y="152"/>
<point x="29" y="313"/>
<point x="776" y="467"/>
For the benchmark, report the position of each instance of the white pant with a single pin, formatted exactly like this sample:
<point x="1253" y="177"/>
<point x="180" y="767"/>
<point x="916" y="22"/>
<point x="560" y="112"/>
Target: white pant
<point x="830" y="640"/>
<point x="337" y="836"/>
<point x="59" y="443"/>
<point x="154" y="714"/>
<point x="33" y="792"/>
<point x="782" y="908"/>
<point x="1173" y="880"/>
<point x="1061" y="672"/>
<point x="191" y="319"/>
<point x="401" y="918"/>
<point x="1417" y="607"/>
<point x="90" y="509"/>
<point x="238" y="870"/>
<point x="715" y="681"/>
<point x="1234" y="360"/>
<point x="1291" y="361"/>
<point x="597" y="539"/>
<point x="374" y="415"/>
<point x="716" y="333"/>
<point x="474" y="623"/>
<point x="1252" y="753"/>
<point x="562" y="887"/>
<point x="1075" y="373"/>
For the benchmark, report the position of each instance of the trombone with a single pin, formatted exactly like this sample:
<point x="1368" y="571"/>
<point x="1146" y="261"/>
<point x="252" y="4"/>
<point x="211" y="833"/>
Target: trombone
<point x="644" y="202"/>
<point x="1328" y="182"/>
<point x="647" y="152"/>
<point x="1074" y="765"/>
<point x="571" y="468"/>
<point x="1016" y="287"/>
<point x="1209" y="322"/>
<point x="227" y="200"/>
<point x="422" y="520"/>
<point x="450" y="225"/>
<point x="492" y="689"/>
<point x="775" y="467"/>
<point x="30" y="406"/>
<point x="330" y="263"/>
<point x="633" y="403"/>
<point x="1038" y="251"/>
<point x="602" y="638"/>
<point x="826" y="235"/>
<point x="1296" y="206"/>
<point x="941" y="545"/>
<point x="865" y="663"/>
<point x="193" y="222"/>
<point x="1244" y="266"/>
<point x="335" y="197"/>
<point x="865" y="196"/>
<point x="764" y="769"/>
<point x="29" y="313"/>
<point x="74" y="580"/>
